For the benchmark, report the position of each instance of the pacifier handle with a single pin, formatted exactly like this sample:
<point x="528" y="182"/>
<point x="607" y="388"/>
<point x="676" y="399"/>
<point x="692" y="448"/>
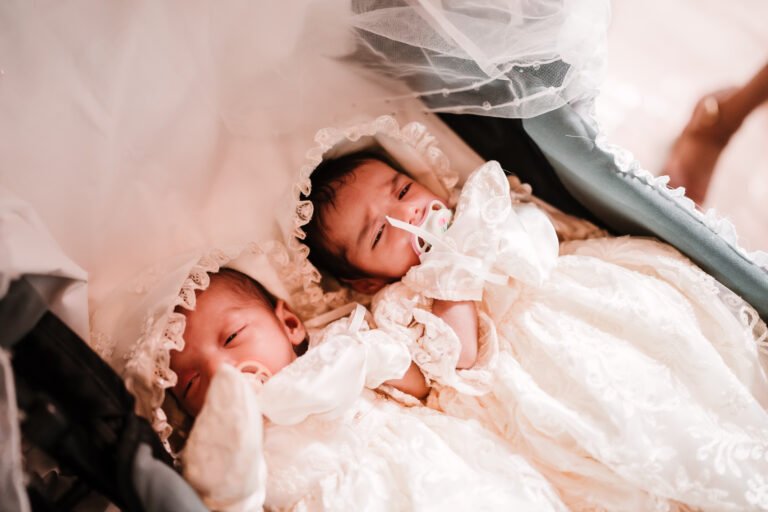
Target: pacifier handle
<point x="260" y="373"/>
<point x="427" y="233"/>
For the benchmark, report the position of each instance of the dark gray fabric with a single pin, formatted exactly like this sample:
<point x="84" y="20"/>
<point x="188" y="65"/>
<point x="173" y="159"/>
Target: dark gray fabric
<point x="160" y="488"/>
<point x="505" y="140"/>
<point x="628" y="206"/>
<point x="20" y="310"/>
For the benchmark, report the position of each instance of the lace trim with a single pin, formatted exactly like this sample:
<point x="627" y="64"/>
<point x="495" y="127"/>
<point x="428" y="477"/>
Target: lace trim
<point x="312" y="299"/>
<point x="147" y="373"/>
<point x="721" y="226"/>
<point x="745" y="313"/>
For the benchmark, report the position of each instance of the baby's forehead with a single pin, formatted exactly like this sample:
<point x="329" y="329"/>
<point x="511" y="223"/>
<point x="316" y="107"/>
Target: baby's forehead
<point x="226" y="291"/>
<point x="368" y="176"/>
<point x="376" y="168"/>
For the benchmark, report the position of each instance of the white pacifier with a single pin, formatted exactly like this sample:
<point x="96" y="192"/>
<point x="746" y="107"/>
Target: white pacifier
<point x="437" y="220"/>
<point x="256" y="373"/>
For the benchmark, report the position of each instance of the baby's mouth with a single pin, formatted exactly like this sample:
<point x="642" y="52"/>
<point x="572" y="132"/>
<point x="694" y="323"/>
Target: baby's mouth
<point x="415" y="243"/>
<point x="257" y="373"/>
<point x="435" y="219"/>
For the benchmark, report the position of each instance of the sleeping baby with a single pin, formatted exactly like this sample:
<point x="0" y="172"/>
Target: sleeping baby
<point x="615" y="365"/>
<point x="329" y="441"/>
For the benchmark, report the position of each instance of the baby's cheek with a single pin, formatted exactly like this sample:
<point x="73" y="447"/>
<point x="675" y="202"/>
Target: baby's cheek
<point x="279" y="359"/>
<point x="411" y="260"/>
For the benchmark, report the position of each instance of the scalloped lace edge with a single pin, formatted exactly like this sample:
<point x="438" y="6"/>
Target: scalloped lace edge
<point x="720" y="225"/>
<point x="312" y="300"/>
<point x="147" y="372"/>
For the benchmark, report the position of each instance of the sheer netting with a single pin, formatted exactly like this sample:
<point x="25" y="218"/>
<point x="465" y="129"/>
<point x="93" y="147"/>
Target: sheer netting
<point x="504" y="58"/>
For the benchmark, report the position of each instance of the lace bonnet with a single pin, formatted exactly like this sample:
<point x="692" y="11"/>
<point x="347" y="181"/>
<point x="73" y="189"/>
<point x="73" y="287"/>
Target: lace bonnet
<point x="412" y="146"/>
<point x="135" y="329"/>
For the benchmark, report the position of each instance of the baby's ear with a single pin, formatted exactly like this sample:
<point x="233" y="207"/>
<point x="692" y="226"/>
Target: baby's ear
<point x="292" y="324"/>
<point x="367" y="285"/>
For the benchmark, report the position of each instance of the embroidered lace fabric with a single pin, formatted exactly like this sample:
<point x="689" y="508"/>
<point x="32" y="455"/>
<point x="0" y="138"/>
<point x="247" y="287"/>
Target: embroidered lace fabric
<point x="630" y="378"/>
<point x="331" y="444"/>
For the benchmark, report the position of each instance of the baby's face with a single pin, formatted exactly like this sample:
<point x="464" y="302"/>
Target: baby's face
<point x="357" y="226"/>
<point x="226" y="327"/>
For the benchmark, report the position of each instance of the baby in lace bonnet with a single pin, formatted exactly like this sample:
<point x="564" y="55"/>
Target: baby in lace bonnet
<point x="604" y="361"/>
<point x="236" y="321"/>
<point x="329" y="442"/>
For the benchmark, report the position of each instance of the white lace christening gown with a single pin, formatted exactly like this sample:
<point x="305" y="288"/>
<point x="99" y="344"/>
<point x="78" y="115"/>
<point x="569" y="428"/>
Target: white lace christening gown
<point x="627" y="375"/>
<point x="331" y="444"/>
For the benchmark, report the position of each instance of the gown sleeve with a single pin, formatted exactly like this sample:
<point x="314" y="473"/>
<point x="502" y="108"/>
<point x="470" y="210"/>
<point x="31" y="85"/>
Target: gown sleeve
<point x="492" y="239"/>
<point x="346" y="357"/>
<point x="434" y="346"/>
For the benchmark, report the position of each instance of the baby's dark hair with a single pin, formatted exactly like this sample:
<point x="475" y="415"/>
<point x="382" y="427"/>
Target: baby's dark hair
<point x="247" y="287"/>
<point x="250" y="289"/>
<point x="326" y="179"/>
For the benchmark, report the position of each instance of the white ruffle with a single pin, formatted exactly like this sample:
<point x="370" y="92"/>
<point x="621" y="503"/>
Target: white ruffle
<point x="518" y="241"/>
<point x="228" y="439"/>
<point x="626" y="163"/>
<point x="405" y="315"/>
<point x="143" y="360"/>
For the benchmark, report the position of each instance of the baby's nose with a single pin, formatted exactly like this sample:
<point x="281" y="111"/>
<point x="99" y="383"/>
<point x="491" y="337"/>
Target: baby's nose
<point x="408" y="213"/>
<point x="415" y="216"/>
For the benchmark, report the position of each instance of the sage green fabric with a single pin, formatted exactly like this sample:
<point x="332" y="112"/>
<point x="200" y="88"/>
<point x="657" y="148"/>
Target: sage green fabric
<point x="627" y="205"/>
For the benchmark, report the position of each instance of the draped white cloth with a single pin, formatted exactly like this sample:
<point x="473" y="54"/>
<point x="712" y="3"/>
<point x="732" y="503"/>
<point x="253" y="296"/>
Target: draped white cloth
<point x="142" y="130"/>
<point x="28" y="250"/>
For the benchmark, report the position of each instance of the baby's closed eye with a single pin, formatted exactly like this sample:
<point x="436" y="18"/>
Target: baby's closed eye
<point x="379" y="234"/>
<point x="229" y="339"/>
<point x="188" y="387"/>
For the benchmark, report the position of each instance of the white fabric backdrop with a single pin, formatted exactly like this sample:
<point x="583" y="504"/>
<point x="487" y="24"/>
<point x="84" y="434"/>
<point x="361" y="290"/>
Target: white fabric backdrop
<point x="140" y="130"/>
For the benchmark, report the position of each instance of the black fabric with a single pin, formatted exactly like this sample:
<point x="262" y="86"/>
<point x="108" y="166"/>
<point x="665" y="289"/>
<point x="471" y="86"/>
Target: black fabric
<point x="20" y="310"/>
<point x="505" y="141"/>
<point x="78" y="411"/>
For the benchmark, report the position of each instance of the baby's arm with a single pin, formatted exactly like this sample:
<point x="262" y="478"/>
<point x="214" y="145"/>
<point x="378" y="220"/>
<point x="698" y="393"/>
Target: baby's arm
<point x="413" y="382"/>
<point x="461" y="316"/>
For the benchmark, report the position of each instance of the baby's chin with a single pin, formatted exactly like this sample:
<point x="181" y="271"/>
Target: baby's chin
<point x="412" y="261"/>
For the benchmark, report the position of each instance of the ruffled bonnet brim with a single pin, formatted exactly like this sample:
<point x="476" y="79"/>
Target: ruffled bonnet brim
<point x="136" y="328"/>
